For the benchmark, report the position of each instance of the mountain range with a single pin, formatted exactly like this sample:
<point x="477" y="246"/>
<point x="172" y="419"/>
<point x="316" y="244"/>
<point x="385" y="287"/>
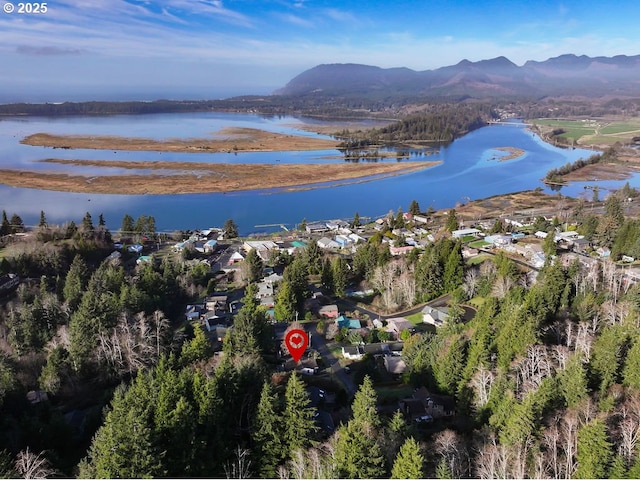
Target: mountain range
<point x="566" y="75"/>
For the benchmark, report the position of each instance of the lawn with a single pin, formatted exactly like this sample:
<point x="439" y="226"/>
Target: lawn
<point x="388" y="394"/>
<point x="415" y="318"/>
<point x="479" y="244"/>
<point x="477" y="260"/>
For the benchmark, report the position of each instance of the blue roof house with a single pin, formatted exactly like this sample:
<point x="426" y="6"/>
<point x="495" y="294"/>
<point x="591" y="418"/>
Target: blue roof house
<point x="350" y="323"/>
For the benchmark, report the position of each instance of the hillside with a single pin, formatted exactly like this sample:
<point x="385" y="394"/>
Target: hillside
<point x="499" y="77"/>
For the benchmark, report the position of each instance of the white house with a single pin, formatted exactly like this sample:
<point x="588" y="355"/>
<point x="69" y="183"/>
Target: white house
<point x="435" y="316"/>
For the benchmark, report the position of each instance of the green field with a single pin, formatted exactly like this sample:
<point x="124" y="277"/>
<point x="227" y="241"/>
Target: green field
<point x="593" y="132"/>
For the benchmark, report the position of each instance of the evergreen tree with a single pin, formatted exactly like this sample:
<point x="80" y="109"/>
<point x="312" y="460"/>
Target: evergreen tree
<point x="124" y="446"/>
<point x="5" y="227"/>
<point x="296" y="275"/>
<point x="312" y="255"/>
<point x="365" y="412"/>
<point x="452" y="222"/>
<point x="339" y="276"/>
<point x="127" y="226"/>
<point x="71" y="230"/>
<point x="251" y="332"/>
<point x="358" y="455"/>
<point x="43" y="220"/>
<point x="254" y="266"/>
<point x="87" y="226"/>
<point x="573" y="382"/>
<point x="75" y="282"/>
<point x="326" y="279"/>
<point x="594" y="451"/>
<point x="631" y="371"/>
<point x="414" y="208"/>
<point x="17" y="225"/>
<point x="285" y="305"/>
<point x="230" y="229"/>
<point x="196" y="349"/>
<point x="299" y="424"/>
<point x="454" y="269"/>
<point x="409" y="461"/>
<point x="355" y="223"/>
<point x="268" y="433"/>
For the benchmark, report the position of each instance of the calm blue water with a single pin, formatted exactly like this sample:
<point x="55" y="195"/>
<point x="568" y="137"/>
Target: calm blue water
<point x="470" y="170"/>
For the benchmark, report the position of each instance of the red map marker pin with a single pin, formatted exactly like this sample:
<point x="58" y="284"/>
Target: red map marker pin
<point x="297" y="342"/>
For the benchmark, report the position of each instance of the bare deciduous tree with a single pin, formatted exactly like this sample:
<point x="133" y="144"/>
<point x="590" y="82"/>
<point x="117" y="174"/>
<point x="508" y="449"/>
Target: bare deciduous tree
<point x="452" y="449"/>
<point x="240" y="466"/>
<point x="31" y="465"/>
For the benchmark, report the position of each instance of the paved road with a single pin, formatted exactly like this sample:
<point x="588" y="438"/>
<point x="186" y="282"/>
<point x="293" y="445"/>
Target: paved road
<point x="319" y="343"/>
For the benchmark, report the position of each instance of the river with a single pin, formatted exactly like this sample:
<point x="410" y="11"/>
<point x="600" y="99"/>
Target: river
<point x="469" y="170"/>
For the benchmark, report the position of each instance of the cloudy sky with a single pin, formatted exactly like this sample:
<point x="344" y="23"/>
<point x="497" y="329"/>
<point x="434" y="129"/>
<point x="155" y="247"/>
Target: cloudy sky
<point x="138" y="49"/>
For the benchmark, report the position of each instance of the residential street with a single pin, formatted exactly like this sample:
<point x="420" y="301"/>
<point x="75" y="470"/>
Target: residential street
<point x="319" y="343"/>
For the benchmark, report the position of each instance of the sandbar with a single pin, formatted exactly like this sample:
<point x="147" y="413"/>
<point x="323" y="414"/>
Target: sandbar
<point x="193" y="177"/>
<point x="229" y="140"/>
<point x="513" y="153"/>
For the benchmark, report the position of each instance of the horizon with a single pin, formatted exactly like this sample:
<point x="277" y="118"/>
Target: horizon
<point x="206" y="49"/>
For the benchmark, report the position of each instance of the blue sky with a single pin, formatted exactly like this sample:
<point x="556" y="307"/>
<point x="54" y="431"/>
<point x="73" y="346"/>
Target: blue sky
<point x="127" y="49"/>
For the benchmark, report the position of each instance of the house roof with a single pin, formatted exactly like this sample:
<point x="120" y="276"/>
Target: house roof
<point x="394" y="365"/>
<point x="399" y="323"/>
<point x="350" y="323"/>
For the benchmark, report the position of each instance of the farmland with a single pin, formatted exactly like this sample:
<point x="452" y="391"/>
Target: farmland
<point x="590" y="132"/>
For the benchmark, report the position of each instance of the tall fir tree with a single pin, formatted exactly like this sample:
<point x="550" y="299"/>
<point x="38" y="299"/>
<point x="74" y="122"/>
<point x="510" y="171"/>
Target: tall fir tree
<point x="409" y="462"/>
<point x="268" y="433"/>
<point x="300" y="427"/>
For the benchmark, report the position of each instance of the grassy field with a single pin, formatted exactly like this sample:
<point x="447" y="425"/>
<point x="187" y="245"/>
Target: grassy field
<point x="593" y="132"/>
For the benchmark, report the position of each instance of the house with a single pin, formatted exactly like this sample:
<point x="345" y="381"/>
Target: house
<point x="566" y="236"/>
<point x="137" y="248"/>
<point x="423" y="404"/>
<point x="213" y="321"/>
<point x="235" y="258"/>
<point x="265" y="245"/>
<point x="355" y="238"/>
<point x="329" y="311"/>
<point x="325" y="242"/>
<point x="268" y="302"/>
<point x="350" y="323"/>
<point x="465" y="232"/>
<point x="265" y="290"/>
<point x="395" y="251"/>
<point x="216" y="302"/>
<point x="343" y="241"/>
<point x="541" y="234"/>
<point x="353" y="352"/>
<point x="435" y="316"/>
<point x="316" y="228"/>
<point x="193" y="312"/>
<point x="580" y="245"/>
<point x="420" y="219"/>
<point x="498" y="240"/>
<point x="273" y="279"/>
<point x="210" y="246"/>
<point x="394" y="365"/>
<point x="397" y="325"/>
<point x="603" y="252"/>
